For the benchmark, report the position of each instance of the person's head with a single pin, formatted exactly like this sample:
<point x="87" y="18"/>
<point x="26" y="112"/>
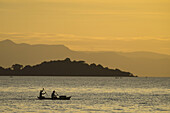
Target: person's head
<point x="43" y="89"/>
<point x="54" y="91"/>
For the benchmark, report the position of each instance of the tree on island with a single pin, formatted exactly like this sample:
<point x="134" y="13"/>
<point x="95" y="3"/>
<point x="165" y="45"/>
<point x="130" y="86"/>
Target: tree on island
<point x="17" y="67"/>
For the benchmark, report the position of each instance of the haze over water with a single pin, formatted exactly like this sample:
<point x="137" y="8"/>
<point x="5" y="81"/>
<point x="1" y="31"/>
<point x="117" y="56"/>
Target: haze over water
<point x="89" y="94"/>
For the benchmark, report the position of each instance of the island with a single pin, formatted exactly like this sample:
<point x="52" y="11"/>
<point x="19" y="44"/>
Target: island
<point x="63" y="68"/>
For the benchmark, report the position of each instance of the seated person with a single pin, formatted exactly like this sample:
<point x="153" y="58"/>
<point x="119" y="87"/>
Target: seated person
<point x="42" y="93"/>
<point x="53" y="95"/>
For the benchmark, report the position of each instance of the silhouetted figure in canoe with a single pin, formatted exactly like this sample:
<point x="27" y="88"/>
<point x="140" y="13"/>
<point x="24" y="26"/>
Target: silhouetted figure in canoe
<point x="54" y="95"/>
<point x="42" y="93"/>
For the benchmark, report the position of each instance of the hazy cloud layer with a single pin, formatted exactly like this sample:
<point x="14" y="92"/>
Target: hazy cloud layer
<point x="86" y="17"/>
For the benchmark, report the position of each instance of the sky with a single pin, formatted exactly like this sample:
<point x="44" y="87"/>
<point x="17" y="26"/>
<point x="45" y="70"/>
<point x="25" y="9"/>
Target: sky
<point x="89" y="25"/>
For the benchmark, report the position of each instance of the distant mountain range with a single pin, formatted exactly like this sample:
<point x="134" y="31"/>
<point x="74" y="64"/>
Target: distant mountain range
<point x="139" y="63"/>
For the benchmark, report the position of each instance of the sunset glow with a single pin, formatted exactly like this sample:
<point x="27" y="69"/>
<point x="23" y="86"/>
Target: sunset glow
<point x="89" y="25"/>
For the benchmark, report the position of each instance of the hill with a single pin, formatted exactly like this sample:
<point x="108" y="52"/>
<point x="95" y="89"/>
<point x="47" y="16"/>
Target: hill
<point x="63" y="68"/>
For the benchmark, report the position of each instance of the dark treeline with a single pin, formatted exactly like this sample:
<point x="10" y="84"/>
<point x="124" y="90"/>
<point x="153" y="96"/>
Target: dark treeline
<point x="63" y="68"/>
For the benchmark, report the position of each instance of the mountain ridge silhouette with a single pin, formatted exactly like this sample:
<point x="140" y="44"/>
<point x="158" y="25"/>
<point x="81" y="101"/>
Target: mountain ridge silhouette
<point x="140" y="63"/>
<point x="63" y="68"/>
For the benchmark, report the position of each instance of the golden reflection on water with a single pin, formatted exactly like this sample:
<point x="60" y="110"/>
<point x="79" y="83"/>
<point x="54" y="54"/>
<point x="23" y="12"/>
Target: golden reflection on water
<point x="88" y="90"/>
<point x="88" y="94"/>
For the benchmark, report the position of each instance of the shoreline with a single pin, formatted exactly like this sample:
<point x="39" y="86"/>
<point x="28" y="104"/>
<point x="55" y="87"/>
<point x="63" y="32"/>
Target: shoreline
<point x="69" y="76"/>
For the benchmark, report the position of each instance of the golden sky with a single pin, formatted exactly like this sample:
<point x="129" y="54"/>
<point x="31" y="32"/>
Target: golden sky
<point x="89" y="25"/>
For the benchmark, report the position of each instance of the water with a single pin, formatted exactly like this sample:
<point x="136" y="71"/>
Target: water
<point x="89" y="94"/>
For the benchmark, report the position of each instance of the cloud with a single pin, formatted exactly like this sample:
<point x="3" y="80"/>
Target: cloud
<point x="71" y="37"/>
<point x="117" y="12"/>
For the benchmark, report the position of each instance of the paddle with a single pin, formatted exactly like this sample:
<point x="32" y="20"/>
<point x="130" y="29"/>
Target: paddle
<point x="56" y="94"/>
<point x="46" y="93"/>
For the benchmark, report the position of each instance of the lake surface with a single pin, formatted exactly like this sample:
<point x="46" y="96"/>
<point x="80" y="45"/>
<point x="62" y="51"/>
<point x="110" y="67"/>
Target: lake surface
<point x="89" y="94"/>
